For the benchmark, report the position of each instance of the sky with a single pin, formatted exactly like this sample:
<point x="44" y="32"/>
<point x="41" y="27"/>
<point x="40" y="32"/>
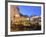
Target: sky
<point x="29" y="10"/>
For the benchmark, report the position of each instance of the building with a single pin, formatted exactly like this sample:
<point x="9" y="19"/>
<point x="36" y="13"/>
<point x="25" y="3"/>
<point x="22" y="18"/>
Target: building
<point x="35" y="19"/>
<point x="14" y="13"/>
<point x="17" y="18"/>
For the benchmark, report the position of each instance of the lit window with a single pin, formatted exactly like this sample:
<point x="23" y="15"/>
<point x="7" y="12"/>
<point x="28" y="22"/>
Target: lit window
<point x="17" y="15"/>
<point x="27" y="18"/>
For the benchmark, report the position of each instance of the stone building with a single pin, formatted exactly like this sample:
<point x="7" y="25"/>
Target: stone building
<point x="18" y="18"/>
<point x="14" y="13"/>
